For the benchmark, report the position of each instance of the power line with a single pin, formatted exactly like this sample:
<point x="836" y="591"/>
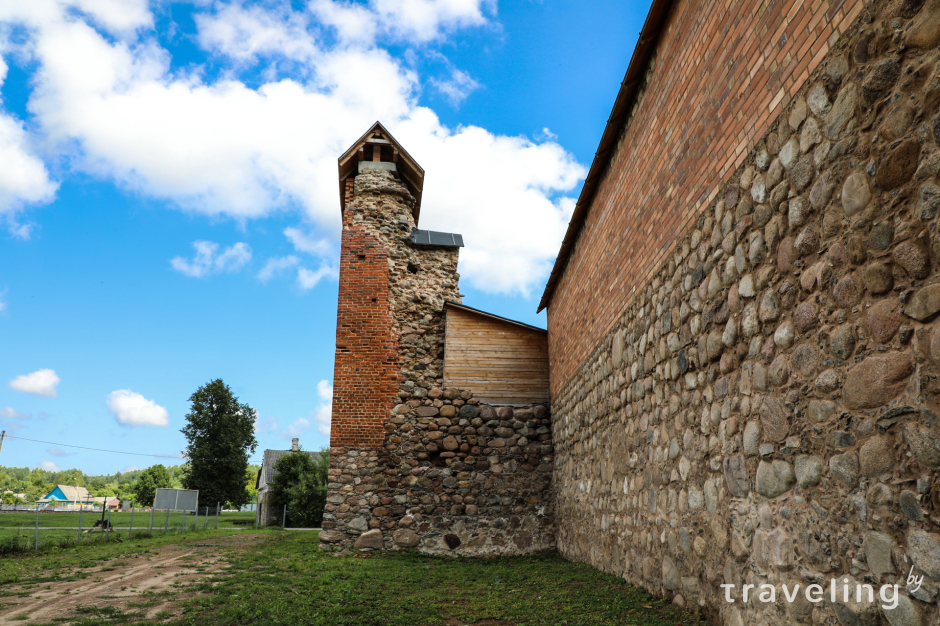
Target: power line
<point x="67" y="445"/>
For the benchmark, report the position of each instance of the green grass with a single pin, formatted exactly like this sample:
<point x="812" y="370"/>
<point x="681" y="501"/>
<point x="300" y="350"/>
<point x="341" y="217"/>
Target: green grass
<point x="17" y="529"/>
<point x="289" y="581"/>
<point x="284" y="578"/>
<point x="141" y="519"/>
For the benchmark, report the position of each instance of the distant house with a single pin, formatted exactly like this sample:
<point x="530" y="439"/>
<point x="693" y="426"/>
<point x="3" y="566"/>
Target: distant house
<point x="21" y="496"/>
<point x="66" y="495"/>
<point x="267" y="513"/>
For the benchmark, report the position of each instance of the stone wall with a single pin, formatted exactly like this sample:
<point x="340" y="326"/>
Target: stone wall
<point x="455" y="477"/>
<point x="722" y="72"/>
<point x="416" y="465"/>
<point x="766" y="408"/>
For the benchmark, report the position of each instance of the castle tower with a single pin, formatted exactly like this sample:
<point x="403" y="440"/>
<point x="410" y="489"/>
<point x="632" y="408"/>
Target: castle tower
<point x="393" y="282"/>
<point x="416" y="463"/>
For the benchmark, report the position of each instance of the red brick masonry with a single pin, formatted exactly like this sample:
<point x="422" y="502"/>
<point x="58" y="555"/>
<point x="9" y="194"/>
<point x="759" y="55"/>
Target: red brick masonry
<point x="365" y="380"/>
<point x="724" y="71"/>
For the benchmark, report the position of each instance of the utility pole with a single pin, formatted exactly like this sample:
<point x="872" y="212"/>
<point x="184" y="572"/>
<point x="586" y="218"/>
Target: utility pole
<point x="2" y="435"/>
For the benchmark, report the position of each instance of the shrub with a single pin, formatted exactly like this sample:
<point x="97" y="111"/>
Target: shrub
<point x="300" y="482"/>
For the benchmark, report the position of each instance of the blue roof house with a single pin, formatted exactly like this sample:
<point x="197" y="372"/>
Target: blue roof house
<point x="65" y="495"/>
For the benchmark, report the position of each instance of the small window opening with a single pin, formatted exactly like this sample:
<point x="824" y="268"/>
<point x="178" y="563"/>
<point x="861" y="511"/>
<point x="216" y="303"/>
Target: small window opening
<point x="362" y="257"/>
<point x="412" y="268"/>
<point x="375" y="299"/>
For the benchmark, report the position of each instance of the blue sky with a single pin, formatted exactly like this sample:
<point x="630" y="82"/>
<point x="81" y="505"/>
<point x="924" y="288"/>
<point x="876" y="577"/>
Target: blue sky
<point x="169" y="211"/>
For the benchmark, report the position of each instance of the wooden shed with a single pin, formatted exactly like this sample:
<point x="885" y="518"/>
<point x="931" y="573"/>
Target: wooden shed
<point x="501" y="361"/>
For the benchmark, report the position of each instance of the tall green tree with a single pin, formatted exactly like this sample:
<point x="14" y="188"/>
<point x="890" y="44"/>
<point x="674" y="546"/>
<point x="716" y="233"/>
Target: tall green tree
<point x="151" y="479"/>
<point x="300" y="482"/>
<point x="221" y="436"/>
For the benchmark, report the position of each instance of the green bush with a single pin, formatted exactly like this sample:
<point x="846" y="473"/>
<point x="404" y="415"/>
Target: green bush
<point x="300" y="483"/>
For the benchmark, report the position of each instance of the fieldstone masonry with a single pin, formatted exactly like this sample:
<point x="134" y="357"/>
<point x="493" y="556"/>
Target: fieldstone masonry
<point x="416" y="466"/>
<point x="767" y="408"/>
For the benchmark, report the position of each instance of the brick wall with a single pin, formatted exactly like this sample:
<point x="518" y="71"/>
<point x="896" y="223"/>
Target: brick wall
<point x="365" y="380"/>
<point x="724" y="70"/>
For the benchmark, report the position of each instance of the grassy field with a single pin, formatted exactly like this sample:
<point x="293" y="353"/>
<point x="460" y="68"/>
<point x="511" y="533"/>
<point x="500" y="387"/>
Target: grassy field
<point x="18" y="528"/>
<point x="277" y="578"/>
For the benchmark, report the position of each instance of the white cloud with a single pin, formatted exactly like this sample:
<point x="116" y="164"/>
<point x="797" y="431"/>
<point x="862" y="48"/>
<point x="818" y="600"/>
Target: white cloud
<point x="131" y="468"/>
<point x="57" y="452"/>
<point x="457" y="87"/>
<point x="412" y="21"/>
<point x="308" y="279"/>
<point x="304" y="242"/>
<point x="209" y="261"/>
<point x="320" y="416"/>
<point x="319" y="247"/>
<point x="299" y="426"/>
<point x="495" y="259"/>
<point x="266" y="425"/>
<point x="120" y="17"/>
<point x="3" y="303"/>
<point x="245" y="33"/>
<point x="39" y="383"/>
<point x="135" y="410"/>
<point x="546" y="134"/>
<point x="118" y="110"/>
<point x="11" y="414"/>
<point x="424" y="20"/>
<point x="324" y="413"/>
<point x="276" y="265"/>
<point x="352" y="22"/>
<point x="49" y="466"/>
<point x="23" y="177"/>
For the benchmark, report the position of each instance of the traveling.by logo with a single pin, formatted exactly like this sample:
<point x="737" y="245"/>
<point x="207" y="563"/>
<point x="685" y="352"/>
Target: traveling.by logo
<point x="888" y="594"/>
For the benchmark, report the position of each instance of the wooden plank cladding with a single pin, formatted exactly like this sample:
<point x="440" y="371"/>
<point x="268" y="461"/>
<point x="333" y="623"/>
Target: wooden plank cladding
<point x="501" y="361"/>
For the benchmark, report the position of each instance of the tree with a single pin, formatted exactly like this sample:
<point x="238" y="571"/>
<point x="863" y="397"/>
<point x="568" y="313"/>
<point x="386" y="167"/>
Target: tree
<point x="221" y="436"/>
<point x="151" y="479"/>
<point x="251" y="482"/>
<point x="300" y="483"/>
<point x="9" y="498"/>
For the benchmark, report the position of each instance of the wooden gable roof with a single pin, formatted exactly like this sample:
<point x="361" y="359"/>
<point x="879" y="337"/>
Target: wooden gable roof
<point x="377" y="137"/>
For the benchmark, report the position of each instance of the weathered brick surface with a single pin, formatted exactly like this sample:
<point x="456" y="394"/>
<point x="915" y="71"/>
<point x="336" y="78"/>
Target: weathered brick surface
<point x="365" y="378"/>
<point x="724" y="70"/>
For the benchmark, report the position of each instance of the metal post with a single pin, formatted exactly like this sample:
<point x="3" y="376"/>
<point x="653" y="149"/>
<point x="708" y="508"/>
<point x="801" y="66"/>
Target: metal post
<point x="166" y="527"/>
<point x="79" y="525"/>
<point x="205" y="524"/>
<point x="131" y="529"/>
<point x="37" y="528"/>
<point x="107" y="536"/>
<point x="150" y="532"/>
<point x="284" y="519"/>
<point x="217" y="504"/>
<point x="184" y="521"/>
<point x="196" y="523"/>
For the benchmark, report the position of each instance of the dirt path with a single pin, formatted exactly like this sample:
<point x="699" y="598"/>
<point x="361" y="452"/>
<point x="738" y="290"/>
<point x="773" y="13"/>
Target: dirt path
<point x="144" y="586"/>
